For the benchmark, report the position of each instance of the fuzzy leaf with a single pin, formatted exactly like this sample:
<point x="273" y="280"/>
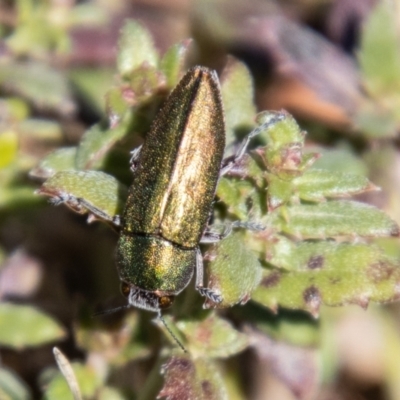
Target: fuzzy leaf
<point x="280" y="134"/>
<point x="240" y="196"/>
<point x="318" y="184"/>
<point x="213" y="336"/>
<point x="172" y="63"/>
<point x="332" y="274"/>
<point x="197" y="379"/>
<point x="84" y="191"/>
<point x="238" y="98"/>
<point x="234" y="270"/>
<point x="144" y="82"/>
<point x="135" y="47"/>
<point x="116" y="105"/>
<point x="95" y="143"/>
<point x="279" y="191"/>
<point x="59" y="160"/>
<point x="334" y="218"/>
<point x="25" y="326"/>
<point x="283" y="156"/>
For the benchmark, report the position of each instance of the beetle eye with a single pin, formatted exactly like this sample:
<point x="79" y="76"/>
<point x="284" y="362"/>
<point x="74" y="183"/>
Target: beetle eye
<point x="125" y="289"/>
<point x="165" y="301"/>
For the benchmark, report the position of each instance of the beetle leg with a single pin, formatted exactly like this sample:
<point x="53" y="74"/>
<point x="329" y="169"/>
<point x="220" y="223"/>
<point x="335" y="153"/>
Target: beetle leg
<point x="206" y="292"/>
<point x="230" y="162"/>
<point x="210" y="237"/>
<point x="249" y="225"/>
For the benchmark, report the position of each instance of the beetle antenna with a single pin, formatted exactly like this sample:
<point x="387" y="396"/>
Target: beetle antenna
<point x="160" y="317"/>
<point x="111" y="310"/>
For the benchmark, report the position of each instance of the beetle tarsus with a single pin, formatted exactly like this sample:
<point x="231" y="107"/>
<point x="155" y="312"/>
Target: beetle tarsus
<point x="209" y="294"/>
<point x="249" y="225"/>
<point x="210" y="237"/>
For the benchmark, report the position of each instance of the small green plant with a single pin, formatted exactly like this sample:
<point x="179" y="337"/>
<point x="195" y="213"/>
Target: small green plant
<point x="304" y="254"/>
<point x="310" y="245"/>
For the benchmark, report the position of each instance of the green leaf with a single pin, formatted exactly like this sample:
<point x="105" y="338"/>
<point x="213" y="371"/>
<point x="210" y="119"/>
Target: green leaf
<point x="109" y="393"/>
<point x="341" y="159"/>
<point x="379" y="58"/>
<point x="318" y="184"/>
<point x="144" y="82"/>
<point x="213" y="336"/>
<point x="42" y="129"/>
<point x="93" y="83"/>
<point x="37" y="36"/>
<point x="88" y="379"/>
<point x="332" y="219"/>
<point x="114" y="344"/>
<point x="69" y="374"/>
<point x="12" y="387"/>
<point x="14" y="109"/>
<point x="380" y="52"/>
<point x="135" y="47"/>
<point x="173" y="62"/>
<point x="87" y="191"/>
<point x="59" y="160"/>
<point x="116" y="105"/>
<point x="25" y="326"/>
<point x="95" y="144"/>
<point x="234" y="270"/>
<point x="376" y="121"/>
<point x="332" y="274"/>
<point x="44" y="86"/>
<point x="283" y="133"/>
<point x="17" y="196"/>
<point x="8" y="148"/>
<point x="197" y="379"/>
<point x="279" y="191"/>
<point x="240" y="196"/>
<point x="283" y="156"/>
<point x="290" y="326"/>
<point x="238" y="98"/>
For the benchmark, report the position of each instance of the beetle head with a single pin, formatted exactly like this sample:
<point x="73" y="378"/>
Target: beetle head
<point x="150" y="301"/>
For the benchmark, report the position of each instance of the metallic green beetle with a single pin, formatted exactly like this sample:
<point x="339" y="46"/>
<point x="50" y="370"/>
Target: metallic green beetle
<point x="169" y="203"/>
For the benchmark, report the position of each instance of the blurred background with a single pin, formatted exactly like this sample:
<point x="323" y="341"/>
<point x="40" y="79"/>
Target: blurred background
<point x="333" y="64"/>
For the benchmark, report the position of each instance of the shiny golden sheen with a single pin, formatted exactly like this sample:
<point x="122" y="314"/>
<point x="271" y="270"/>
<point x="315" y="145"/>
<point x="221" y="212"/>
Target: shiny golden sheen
<point x="154" y="264"/>
<point x="173" y="187"/>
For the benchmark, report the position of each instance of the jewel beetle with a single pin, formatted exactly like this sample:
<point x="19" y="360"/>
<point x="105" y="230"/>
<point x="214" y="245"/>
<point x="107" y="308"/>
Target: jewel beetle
<point x="169" y="202"/>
